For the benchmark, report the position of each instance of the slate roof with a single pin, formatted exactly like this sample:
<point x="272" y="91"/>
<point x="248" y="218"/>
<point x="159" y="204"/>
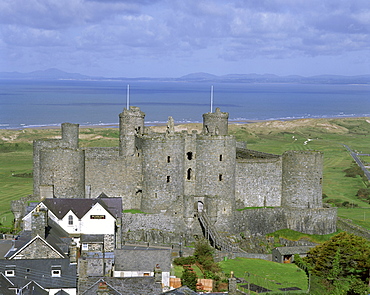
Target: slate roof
<point x="293" y="250"/>
<point x="5" y="246"/>
<point x="61" y="292"/>
<point x="124" y="286"/>
<point x="39" y="270"/>
<point x="5" y="284"/>
<point x="92" y="238"/>
<point x="56" y="236"/>
<point x="61" y="206"/>
<point x="32" y="288"/>
<point x="131" y="258"/>
<point x="183" y="290"/>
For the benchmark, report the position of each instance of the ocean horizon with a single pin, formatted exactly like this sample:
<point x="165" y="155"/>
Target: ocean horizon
<point x="32" y="104"/>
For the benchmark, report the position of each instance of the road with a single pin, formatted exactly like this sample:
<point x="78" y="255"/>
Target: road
<point x="358" y="161"/>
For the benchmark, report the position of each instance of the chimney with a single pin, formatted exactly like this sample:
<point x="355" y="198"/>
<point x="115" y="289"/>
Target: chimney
<point x="39" y="222"/>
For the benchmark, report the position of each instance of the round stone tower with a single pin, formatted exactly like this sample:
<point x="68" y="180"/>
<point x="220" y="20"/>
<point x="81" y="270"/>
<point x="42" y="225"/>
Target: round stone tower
<point x="163" y="172"/>
<point x="63" y="169"/>
<point x="302" y="173"/>
<point x="70" y="135"/>
<point x="215" y="123"/>
<point x="131" y="125"/>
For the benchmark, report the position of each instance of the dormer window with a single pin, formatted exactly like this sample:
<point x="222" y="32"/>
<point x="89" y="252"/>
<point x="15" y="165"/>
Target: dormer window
<point x="70" y="220"/>
<point x="56" y="271"/>
<point x="10" y="273"/>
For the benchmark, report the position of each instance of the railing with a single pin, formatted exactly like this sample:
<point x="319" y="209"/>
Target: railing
<point x="211" y="234"/>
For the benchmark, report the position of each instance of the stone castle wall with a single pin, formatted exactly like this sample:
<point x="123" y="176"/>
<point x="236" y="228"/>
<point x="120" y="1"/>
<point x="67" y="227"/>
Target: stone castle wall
<point x="258" y="182"/>
<point x="266" y="220"/>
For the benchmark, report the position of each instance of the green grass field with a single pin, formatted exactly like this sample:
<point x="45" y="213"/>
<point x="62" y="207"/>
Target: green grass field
<point x="268" y="274"/>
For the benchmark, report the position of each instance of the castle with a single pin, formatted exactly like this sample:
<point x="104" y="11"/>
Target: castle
<point x="175" y="175"/>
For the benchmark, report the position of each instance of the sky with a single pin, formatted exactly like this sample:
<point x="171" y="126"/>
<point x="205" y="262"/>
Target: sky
<point x="172" y="38"/>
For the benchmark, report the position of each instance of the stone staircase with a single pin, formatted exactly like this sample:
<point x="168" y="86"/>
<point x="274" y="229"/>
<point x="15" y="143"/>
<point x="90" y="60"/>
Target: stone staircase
<point x="212" y="235"/>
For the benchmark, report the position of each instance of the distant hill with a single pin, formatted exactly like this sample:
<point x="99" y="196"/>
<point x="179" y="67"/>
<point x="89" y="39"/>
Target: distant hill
<point x="56" y="74"/>
<point x="49" y="74"/>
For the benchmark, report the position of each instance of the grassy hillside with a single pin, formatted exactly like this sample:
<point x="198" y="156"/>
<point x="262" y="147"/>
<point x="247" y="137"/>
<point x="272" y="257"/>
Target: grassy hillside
<point x="326" y="135"/>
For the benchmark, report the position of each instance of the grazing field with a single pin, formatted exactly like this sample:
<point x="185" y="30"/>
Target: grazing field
<point x="326" y="135"/>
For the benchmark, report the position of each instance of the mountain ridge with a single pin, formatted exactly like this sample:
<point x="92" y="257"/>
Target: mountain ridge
<point x="56" y="74"/>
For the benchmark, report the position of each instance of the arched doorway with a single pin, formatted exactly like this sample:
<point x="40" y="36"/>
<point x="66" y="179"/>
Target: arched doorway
<point x="200" y="206"/>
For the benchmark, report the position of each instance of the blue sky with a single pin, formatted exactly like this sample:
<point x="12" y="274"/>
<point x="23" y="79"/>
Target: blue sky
<point x="171" y="38"/>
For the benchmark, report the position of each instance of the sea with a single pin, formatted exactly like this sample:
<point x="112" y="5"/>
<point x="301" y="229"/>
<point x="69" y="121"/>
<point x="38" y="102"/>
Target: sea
<point x="30" y="104"/>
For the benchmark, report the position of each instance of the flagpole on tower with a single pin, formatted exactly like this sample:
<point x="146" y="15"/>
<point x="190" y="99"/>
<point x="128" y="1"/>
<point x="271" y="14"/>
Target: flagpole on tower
<point x="128" y="97"/>
<point x="211" y="98"/>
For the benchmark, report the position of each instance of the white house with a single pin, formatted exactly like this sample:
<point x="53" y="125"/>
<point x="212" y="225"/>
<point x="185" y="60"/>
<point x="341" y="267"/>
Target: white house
<point x="83" y="217"/>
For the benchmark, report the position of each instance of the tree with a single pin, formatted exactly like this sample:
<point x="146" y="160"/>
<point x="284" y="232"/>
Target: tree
<point x="189" y="278"/>
<point x="343" y="263"/>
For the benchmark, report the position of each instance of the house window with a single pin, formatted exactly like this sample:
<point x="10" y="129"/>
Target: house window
<point x="56" y="272"/>
<point x="85" y="247"/>
<point x="168" y="178"/>
<point x="168" y="159"/>
<point x="220" y="177"/>
<point x="189" y="155"/>
<point x="70" y="220"/>
<point x="220" y="157"/>
<point x="10" y="273"/>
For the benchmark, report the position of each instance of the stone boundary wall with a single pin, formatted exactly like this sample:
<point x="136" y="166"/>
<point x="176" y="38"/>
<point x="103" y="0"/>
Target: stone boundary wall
<point x="133" y="222"/>
<point x="348" y="226"/>
<point x="153" y="228"/>
<point x="266" y="220"/>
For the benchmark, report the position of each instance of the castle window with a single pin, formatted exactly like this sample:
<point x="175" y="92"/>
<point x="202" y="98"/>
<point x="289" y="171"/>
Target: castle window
<point x="220" y="157"/>
<point x="70" y="220"/>
<point x="189" y="155"/>
<point x="188" y="177"/>
<point x="168" y="159"/>
<point x="220" y="177"/>
<point x="168" y="178"/>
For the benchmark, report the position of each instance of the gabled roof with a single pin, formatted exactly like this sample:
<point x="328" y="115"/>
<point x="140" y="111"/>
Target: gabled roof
<point x="57" y="238"/>
<point x="61" y="292"/>
<point x="61" y="206"/>
<point x="124" y="286"/>
<point x="5" y="284"/>
<point x="183" y="290"/>
<point x="101" y="284"/>
<point x="39" y="270"/>
<point x="33" y="288"/>
<point x="30" y="242"/>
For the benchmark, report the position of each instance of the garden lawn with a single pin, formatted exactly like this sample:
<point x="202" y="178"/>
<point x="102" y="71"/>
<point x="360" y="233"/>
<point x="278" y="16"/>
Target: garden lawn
<point x="268" y="274"/>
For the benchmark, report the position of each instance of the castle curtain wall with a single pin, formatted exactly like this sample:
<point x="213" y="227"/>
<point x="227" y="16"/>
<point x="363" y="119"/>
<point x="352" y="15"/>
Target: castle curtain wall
<point x="258" y="182"/>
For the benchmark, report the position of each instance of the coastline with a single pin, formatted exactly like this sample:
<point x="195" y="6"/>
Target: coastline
<point x="159" y="124"/>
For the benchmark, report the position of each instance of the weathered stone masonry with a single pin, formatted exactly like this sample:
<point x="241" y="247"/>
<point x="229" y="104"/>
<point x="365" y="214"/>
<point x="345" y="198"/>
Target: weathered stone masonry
<point x="172" y="175"/>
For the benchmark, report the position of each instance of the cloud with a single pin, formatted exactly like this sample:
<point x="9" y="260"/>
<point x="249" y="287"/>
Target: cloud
<point x="236" y="30"/>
